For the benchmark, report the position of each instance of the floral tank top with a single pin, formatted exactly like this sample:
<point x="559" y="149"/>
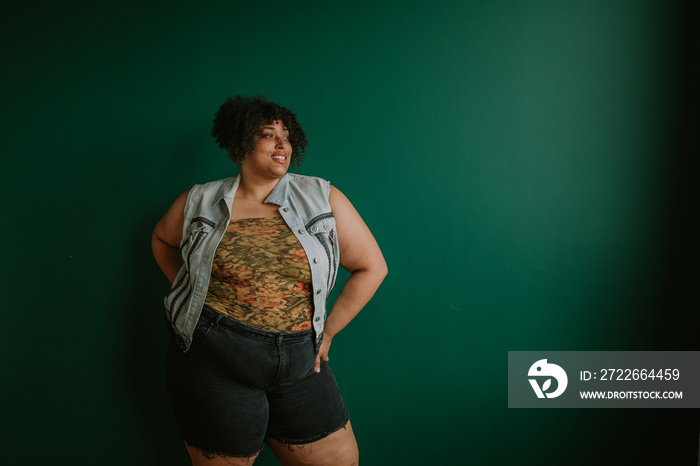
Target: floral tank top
<point x="261" y="277"/>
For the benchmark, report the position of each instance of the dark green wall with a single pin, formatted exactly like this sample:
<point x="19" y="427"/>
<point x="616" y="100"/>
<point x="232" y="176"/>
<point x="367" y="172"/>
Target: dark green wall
<point x="523" y="165"/>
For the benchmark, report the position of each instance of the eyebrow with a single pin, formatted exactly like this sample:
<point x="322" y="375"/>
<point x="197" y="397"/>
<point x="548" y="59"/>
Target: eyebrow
<point x="272" y="128"/>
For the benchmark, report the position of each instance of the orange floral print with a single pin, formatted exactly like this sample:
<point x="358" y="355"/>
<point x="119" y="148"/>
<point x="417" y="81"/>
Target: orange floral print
<point x="261" y="276"/>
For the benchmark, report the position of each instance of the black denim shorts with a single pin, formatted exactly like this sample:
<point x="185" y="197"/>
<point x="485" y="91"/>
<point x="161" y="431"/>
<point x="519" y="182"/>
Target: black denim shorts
<point x="237" y="385"/>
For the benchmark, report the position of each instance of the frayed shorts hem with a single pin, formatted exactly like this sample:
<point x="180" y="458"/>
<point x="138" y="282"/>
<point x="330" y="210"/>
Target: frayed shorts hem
<point x="313" y="439"/>
<point x="206" y="452"/>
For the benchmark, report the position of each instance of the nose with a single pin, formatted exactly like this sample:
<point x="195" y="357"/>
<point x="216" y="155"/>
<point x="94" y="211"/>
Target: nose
<point x="280" y="141"/>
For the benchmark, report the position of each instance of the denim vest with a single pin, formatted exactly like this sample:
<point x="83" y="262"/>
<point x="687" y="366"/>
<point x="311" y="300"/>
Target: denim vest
<point x="304" y="206"/>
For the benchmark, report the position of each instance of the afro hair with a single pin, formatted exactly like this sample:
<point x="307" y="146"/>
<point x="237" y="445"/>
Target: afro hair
<point x="238" y="123"/>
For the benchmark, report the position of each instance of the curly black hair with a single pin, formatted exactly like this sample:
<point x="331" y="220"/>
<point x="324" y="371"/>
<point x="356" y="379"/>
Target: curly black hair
<point x="238" y="122"/>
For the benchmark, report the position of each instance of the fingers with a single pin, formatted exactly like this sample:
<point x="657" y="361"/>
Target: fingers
<point x="319" y="358"/>
<point x="322" y="354"/>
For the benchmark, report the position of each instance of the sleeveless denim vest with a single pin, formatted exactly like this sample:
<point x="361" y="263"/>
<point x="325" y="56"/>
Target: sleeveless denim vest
<point x="303" y="204"/>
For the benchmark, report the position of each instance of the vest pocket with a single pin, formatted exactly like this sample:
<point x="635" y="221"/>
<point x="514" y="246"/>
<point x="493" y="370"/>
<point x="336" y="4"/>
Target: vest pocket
<point x="199" y="228"/>
<point x="192" y="240"/>
<point x="322" y="228"/>
<point x="321" y="225"/>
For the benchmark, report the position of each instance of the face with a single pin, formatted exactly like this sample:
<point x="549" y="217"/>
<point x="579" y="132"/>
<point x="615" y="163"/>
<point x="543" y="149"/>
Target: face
<point x="272" y="152"/>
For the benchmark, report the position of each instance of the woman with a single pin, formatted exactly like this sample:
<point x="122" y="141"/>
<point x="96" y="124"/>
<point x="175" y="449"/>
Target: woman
<point x="251" y="260"/>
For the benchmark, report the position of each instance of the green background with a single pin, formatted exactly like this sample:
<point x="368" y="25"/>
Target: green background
<point x="526" y="167"/>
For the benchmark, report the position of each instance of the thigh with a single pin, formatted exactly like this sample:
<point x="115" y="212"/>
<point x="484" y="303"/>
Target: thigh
<point x="336" y="449"/>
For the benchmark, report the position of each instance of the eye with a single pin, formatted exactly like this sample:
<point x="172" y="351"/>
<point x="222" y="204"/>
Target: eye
<point x="286" y="138"/>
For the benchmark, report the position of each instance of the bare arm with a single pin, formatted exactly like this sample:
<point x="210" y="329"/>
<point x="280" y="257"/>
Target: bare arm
<point x="360" y="255"/>
<point x="167" y="236"/>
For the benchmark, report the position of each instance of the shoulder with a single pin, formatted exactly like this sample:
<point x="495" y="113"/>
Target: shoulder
<point x="212" y="189"/>
<point x="310" y="184"/>
<point x="338" y="201"/>
<point x="205" y="196"/>
<point x="306" y="179"/>
<point x="212" y="185"/>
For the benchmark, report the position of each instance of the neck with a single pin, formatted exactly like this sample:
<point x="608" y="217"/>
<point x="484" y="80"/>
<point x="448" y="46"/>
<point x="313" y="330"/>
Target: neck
<point x="256" y="188"/>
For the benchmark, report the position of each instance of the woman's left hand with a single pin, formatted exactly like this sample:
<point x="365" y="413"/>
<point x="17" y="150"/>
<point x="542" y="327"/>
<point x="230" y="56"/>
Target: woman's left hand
<point x="323" y="352"/>
<point x="359" y="255"/>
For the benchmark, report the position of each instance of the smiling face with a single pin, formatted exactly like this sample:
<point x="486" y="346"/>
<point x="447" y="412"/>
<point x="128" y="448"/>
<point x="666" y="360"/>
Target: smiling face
<point x="272" y="152"/>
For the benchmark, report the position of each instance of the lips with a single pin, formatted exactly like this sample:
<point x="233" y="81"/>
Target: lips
<point x="280" y="158"/>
